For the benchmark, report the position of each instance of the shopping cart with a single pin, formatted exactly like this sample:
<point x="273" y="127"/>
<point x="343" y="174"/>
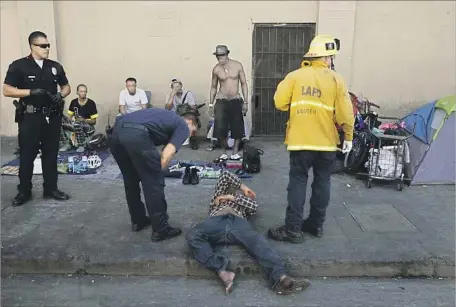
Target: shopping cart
<point x="388" y="154"/>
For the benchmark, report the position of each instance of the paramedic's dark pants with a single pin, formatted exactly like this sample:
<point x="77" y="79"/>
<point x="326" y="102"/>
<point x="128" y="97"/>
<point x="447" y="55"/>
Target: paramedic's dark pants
<point x="229" y="229"/>
<point x="322" y="163"/>
<point x="139" y="161"/>
<point x="34" y="134"/>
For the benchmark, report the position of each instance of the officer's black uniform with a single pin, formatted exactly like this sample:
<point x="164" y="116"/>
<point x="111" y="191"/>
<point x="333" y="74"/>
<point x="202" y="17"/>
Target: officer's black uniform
<point x="34" y="131"/>
<point x="133" y="144"/>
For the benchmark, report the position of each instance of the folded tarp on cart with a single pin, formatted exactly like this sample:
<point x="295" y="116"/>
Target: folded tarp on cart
<point x="432" y="147"/>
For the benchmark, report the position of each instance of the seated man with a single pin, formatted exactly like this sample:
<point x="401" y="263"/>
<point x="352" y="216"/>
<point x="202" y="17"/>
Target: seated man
<point x="83" y="113"/>
<point x="177" y="97"/>
<point x="132" y="98"/>
<point x="227" y="224"/>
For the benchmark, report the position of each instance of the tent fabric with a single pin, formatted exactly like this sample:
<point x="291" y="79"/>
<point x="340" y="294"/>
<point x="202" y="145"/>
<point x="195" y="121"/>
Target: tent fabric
<point x="432" y="146"/>
<point x="438" y="165"/>
<point x="418" y="122"/>
<point x="417" y="151"/>
<point x="448" y="104"/>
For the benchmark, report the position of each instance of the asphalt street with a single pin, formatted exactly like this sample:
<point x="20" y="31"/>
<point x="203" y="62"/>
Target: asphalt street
<point x="122" y="291"/>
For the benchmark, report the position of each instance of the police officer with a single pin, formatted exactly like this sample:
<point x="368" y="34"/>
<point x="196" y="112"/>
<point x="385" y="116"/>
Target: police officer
<point x="316" y="98"/>
<point x="34" y="80"/>
<point x="133" y="142"/>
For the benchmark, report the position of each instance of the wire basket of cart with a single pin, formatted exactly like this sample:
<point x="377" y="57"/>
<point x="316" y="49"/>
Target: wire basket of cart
<point x="389" y="151"/>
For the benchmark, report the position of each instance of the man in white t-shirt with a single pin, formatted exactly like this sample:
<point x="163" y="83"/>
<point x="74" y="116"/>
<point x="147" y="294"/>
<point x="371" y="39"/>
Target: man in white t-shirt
<point x="132" y="98"/>
<point x="178" y="96"/>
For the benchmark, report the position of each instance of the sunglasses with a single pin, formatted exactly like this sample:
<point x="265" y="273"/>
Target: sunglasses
<point x="44" y="46"/>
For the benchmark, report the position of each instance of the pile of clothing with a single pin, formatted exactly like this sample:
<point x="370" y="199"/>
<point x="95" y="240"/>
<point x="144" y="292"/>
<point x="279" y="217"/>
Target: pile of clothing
<point x="192" y="173"/>
<point x="79" y="164"/>
<point x="392" y="129"/>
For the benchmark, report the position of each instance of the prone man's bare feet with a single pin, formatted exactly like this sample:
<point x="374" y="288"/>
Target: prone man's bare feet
<point x="227" y="278"/>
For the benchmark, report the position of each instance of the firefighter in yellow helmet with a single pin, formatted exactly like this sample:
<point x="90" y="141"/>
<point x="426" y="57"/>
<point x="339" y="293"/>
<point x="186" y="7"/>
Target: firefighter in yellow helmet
<point x="316" y="98"/>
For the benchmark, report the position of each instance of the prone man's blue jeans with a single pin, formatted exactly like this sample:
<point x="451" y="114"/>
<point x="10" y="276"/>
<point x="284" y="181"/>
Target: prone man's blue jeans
<point x="230" y="229"/>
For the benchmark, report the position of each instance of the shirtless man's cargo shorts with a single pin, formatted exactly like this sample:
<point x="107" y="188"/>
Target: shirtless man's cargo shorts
<point x="228" y="116"/>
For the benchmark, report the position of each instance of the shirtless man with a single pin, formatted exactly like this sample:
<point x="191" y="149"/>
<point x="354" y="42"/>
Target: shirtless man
<point x="229" y="108"/>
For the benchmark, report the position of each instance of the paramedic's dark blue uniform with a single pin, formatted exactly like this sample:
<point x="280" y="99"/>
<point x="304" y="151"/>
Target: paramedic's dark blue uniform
<point x="133" y="143"/>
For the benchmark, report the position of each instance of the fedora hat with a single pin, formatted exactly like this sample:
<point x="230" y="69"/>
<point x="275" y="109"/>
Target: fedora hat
<point x="221" y="50"/>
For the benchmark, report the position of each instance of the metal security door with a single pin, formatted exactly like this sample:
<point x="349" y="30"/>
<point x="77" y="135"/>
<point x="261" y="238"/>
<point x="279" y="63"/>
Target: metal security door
<point x="277" y="50"/>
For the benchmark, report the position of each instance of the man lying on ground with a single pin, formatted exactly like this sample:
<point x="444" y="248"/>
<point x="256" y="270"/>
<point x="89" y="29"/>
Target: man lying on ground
<point x="227" y="224"/>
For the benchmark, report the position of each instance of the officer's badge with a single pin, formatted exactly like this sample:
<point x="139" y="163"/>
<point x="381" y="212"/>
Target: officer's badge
<point x="54" y="71"/>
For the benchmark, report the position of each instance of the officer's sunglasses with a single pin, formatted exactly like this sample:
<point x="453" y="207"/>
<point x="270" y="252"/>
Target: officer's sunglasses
<point x="44" y="46"/>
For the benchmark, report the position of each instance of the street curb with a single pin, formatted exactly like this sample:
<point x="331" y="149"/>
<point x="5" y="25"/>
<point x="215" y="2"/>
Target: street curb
<point x="180" y="267"/>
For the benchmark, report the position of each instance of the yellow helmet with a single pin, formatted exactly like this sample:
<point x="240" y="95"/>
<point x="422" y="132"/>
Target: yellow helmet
<point x="323" y="45"/>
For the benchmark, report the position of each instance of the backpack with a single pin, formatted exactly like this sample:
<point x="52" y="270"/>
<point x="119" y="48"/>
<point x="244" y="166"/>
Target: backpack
<point x="251" y="162"/>
<point x="183" y="108"/>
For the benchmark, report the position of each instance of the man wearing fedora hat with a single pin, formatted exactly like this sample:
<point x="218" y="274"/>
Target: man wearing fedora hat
<point x="226" y="105"/>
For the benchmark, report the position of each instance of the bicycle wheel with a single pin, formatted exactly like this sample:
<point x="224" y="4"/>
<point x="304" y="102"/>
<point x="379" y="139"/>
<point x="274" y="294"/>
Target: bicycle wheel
<point x="355" y="158"/>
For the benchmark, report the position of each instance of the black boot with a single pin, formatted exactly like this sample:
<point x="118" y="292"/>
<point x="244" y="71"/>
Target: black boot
<point x="194" y="178"/>
<point x="186" y="179"/>
<point x="194" y="142"/>
<point x="138" y="227"/>
<point x="56" y="194"/>
<point x="311" y="228"/>
<point x="21" y="198"/>
<point x="165" y="233"/>
<point x="283" y="234"/>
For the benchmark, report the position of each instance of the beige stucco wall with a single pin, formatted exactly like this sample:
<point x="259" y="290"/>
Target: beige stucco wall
<point x="10" y="47"/>
<point x="102" y="43"/>
<point x="404" y="52"/>
<point x="156" y="41"/>
<point x="18" y="20"/>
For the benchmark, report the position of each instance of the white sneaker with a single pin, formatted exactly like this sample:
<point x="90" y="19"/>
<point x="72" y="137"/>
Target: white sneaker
<point x="187" y="141"/>
<point x="223" y="157"/>
<point x="235" y="157"/>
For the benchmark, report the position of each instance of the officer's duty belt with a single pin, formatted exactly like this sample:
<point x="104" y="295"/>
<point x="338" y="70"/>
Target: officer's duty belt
<point x="30" y="109"/>
<point x="135" y="126"/>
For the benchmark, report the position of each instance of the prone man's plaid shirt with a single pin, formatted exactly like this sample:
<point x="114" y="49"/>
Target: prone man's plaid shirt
<point x="226" y="185"/>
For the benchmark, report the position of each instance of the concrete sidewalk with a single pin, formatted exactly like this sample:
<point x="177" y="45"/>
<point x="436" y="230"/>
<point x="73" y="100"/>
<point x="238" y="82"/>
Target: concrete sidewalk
<point x="369" y="232"/>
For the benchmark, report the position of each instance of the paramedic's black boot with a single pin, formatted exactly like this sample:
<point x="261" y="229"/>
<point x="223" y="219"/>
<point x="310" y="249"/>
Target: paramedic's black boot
<point x="56" y="194"/>
<point x="165" y="233"/>
<point x="21" y="198"/>
<point x="316" y="231"/>
<point x="140" y="226"/>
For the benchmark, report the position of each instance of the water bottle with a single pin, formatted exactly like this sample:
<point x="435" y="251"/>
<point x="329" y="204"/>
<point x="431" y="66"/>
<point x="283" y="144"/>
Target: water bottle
<point x="37" y="169"/>
<point x="84" y="164"/>
<point x="70" y="165"/>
